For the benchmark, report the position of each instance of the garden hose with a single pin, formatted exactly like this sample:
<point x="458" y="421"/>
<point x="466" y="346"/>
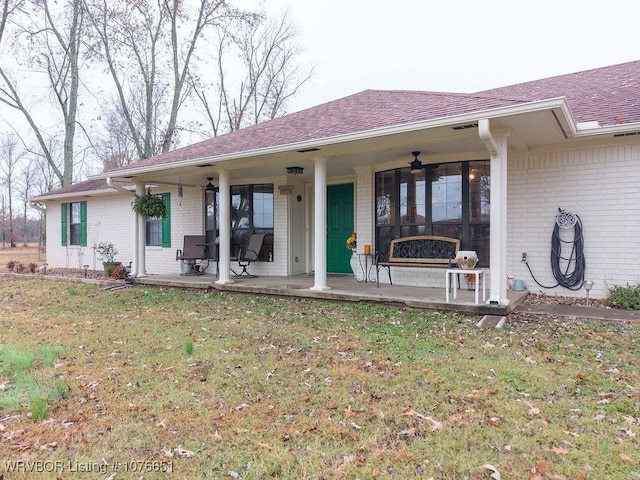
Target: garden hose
<point x="569" y="274"/>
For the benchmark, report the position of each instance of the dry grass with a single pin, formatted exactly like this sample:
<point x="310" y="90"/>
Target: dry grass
<point x="285" y="388"/>
<point x="24" y="255"/>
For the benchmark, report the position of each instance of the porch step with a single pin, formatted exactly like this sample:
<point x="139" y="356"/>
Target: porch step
<point x="492" y="321"/>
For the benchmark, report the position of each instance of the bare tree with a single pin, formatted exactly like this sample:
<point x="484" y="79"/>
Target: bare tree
<point x="29" y="180"/>
<point x="50" y="44"/>
<point x="268" y="53"/>
<point x="9" y="160"/>
<point x="8" y="7"/>
<point x="152" y="44"/>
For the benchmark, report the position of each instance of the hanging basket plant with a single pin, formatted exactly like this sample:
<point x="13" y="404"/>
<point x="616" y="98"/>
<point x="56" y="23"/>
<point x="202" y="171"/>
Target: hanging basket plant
<point x="149" y="205"/>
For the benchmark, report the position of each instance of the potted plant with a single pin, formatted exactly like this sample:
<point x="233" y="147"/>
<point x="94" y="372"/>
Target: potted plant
<point x="352" y="242"/>
<point x="149" y="205"/>
<point x="107" y="253"/>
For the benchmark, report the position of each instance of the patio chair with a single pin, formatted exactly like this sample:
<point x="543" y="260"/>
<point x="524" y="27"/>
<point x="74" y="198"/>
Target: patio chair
<point x="194" y="254"/>
<point x="249" y="254"/>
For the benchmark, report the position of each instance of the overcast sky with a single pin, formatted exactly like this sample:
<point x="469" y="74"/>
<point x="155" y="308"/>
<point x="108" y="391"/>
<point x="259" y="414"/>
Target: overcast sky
<point x="454" y="45"/>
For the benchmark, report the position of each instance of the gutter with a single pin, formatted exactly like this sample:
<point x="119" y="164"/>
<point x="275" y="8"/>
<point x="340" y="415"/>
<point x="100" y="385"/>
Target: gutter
<point x="36" y="206"/>
<point x="109" y="181"/>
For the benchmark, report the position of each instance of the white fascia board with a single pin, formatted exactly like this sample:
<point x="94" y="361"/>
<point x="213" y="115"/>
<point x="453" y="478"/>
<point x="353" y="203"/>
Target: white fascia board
<point x="609" y="130"/>
<point x="83" y="194"/>
<point x="559" y="103"/>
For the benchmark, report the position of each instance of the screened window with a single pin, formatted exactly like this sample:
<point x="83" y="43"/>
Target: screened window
<point x="450" y="199"/>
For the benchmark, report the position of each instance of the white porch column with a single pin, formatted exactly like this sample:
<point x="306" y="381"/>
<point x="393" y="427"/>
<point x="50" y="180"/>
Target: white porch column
<point x="139" y="237"/>
<point x="496" y="144"/>
<point x="224" y="262"/>
<point x="320" y="225"/>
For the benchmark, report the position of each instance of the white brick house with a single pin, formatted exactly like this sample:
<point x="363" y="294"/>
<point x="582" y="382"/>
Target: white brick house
<point x="501" y="161"/>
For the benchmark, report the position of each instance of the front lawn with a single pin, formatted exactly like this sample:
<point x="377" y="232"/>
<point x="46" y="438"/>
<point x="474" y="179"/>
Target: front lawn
<point x="213" y="385"/>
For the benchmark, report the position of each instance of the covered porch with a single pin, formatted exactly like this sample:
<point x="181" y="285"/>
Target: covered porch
<point x="342" y="288"/>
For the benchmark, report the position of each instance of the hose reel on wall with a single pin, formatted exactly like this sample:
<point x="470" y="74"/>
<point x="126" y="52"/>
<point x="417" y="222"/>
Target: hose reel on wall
<point x="568" y="271"/>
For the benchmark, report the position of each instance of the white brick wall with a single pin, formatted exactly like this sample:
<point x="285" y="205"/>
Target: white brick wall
<point x="600" y="185"/>
<point x="109" y="219"/>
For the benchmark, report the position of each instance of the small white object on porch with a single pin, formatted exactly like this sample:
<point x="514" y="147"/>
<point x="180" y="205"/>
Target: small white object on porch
<point x="477" y="272"/>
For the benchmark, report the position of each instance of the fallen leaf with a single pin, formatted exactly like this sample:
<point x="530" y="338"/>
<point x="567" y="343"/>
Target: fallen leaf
<point x="626" y="457"/>
<point x="560" y="450"/>
<point x="495" y="474"/>
<point x="181" y="452"/>
<point x="532" y="410"/>
<point x="542" y="467"/>
<point x="377" y="412"/>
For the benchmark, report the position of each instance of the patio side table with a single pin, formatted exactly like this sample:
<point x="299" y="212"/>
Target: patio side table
<point x="477" y="272"/>
<point x="366" y="268"/>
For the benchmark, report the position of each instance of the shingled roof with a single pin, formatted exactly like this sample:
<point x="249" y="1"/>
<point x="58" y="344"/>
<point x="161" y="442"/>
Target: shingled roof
<point x="362" y="112"/>
<point x="608" y="95"/>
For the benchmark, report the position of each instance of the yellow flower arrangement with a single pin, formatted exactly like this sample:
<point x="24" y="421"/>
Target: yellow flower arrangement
<point x="352" y="241"/>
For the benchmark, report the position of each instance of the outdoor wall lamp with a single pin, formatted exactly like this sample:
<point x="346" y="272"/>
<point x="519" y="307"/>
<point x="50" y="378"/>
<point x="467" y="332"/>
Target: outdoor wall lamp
<point x="210" y="186"/>
<point x="416" y="165"/>
<point x="295" y="170"/>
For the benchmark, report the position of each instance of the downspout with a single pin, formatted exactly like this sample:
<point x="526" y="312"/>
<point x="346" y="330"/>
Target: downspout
<point x="136" y="252"/>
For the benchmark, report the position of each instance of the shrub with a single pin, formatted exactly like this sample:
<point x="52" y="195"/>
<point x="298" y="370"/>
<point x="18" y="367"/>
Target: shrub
<point x="627" y="297"/>
<point x="11" y="265"/>
<point x="20" y="267"/>
<point x="106" y="252"/>
<point x="31" y="268"/>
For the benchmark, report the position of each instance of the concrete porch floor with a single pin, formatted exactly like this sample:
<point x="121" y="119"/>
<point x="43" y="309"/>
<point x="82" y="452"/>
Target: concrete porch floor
<point x="342" y="288"/>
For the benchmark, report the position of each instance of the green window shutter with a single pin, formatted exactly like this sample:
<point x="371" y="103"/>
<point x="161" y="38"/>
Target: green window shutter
<point x="63" y="223"/>
<point x="166" y="221"/>
<point x="83" y="224"/>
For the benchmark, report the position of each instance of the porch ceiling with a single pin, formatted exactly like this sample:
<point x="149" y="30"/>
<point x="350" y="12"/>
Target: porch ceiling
<point x="442" y="143"/>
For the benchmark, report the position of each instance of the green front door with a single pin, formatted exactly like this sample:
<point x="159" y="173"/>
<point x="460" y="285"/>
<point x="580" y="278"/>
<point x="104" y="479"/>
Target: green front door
<point x="339" y="226"/>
